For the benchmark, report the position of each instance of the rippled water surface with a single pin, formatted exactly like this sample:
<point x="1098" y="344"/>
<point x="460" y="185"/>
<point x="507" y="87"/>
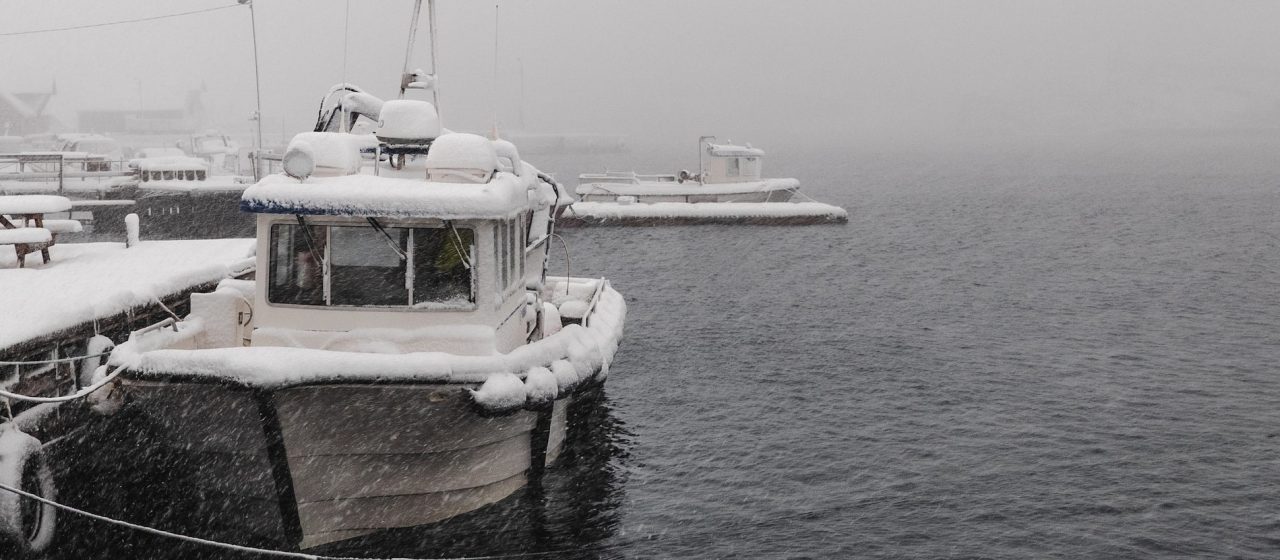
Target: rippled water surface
<point x="987" y="361"/>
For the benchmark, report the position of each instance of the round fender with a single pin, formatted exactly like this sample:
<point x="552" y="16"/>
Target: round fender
<point x="96" y="345"/>
<point x="26" y="526"/>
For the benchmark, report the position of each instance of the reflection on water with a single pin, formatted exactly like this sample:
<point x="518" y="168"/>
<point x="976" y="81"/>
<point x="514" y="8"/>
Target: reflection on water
<point x="122" y="468"/>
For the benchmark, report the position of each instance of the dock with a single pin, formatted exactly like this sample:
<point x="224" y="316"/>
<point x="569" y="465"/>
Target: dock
<point x="99" y="288"/>
<point x="582" y="214"/>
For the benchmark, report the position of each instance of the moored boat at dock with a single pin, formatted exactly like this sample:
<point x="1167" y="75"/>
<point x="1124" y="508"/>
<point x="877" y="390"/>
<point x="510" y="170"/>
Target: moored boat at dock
<point x="728" y="188"/>
<point x="403" y="357"/>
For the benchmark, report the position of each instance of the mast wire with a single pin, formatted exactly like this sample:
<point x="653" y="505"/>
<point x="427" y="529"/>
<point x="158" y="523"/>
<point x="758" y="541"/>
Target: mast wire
<point x="120" y="22"/>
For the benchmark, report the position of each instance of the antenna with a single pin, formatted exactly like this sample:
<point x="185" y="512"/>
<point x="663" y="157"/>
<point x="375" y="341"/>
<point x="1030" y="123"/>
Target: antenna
<point x="346" y="27"/>
<point x="497" y="5"/>
<point x="435" y="70"/>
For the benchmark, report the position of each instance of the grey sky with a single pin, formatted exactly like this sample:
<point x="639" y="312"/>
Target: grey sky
<point x="892" y="72"/>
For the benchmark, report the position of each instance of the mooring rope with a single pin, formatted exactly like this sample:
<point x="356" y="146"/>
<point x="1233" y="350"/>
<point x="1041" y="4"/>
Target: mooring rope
<point x="242" y="548"/>
<point x="76" y="395"/>
<point x="56" y="361"/>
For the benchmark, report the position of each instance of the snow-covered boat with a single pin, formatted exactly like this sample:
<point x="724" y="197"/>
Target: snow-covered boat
<point x="402" y="356"/>
<point x="728" y="188"/>
<point x="727" y="173"/>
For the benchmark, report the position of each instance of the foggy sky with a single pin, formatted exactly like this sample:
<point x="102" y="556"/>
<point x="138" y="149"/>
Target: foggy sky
<point x="665" y="71"/>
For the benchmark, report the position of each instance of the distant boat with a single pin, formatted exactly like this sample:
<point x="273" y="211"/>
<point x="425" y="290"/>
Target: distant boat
<point x="728" y="173"/>
<point x="727" y="189"/>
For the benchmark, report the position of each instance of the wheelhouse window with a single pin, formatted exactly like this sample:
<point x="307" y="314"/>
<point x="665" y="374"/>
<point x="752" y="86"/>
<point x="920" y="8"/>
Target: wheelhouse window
<point x="371" y="266"/>
<point x="731" y="167"/>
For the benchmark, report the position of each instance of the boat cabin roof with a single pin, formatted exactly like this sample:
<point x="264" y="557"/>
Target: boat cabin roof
<point x="505" y="195"/>
<point x="730" y="150"/>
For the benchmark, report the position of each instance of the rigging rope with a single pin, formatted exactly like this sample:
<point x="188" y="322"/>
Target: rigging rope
<point x="249" y="549"/>
<point x="121" y="22"/>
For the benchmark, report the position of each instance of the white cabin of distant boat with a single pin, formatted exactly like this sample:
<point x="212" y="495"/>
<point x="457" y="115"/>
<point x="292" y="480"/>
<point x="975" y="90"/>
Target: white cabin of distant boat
<point x="727" y="163"/>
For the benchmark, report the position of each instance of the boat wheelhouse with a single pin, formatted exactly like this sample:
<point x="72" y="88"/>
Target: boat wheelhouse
<point x="402" y="356"/>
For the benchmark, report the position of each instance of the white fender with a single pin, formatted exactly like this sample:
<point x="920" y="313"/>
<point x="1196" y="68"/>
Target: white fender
<point x="23" y="466"/>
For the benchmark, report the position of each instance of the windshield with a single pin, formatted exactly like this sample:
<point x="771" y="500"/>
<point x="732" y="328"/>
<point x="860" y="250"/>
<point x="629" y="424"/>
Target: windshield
<point x="366" y="266"/>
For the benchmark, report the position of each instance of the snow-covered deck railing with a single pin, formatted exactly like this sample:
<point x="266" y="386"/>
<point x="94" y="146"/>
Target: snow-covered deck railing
<point x="370" y="195"/>
<point x="86" y="282"/>
<point x="571" y="355"/>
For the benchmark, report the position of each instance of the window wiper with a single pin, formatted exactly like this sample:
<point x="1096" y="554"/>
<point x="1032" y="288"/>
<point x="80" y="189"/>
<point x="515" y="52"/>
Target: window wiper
<point x="458" y="245"/>
<point x="390" y="242"/>
<point x="311" y="243"/>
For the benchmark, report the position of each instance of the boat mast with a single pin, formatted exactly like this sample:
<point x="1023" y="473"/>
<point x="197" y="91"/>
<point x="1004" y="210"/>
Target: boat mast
<point x="406" y="78"/>
<point x="408" y="49"/>
<point x="435" y="88"/>
<point x="257" y="86"/>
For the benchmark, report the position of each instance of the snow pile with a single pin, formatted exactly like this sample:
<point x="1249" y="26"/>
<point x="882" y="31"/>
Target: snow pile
<point x="33" y="204"/>
<point x="565" y="360"/>
<point x="470" y="340"/>
<point x="88" y="281"/>
<point x="501" y="391"/>
<point x="407" y="121"/>
<point x="334" y="153"/>
<point x="541" y="387"/>
<point x="460" y="150"/>
<point x="25" y="235"/>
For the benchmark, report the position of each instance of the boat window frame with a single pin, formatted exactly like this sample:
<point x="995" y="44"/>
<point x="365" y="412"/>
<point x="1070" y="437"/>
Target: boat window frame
<point x="328" y="223"/>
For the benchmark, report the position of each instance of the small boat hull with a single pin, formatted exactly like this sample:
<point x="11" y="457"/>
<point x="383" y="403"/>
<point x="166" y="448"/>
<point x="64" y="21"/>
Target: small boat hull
<point x="770" y="190"/>
<point x="346" y="460"/>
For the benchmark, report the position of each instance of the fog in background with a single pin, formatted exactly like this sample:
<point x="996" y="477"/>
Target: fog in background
<point x="791" y="75"/>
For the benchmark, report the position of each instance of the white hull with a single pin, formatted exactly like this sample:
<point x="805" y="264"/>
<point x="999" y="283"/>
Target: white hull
<point x="647" y="192"/>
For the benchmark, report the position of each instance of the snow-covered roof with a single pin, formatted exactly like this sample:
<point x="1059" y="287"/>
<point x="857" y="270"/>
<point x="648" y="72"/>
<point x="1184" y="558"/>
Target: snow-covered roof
<point x="730" y="150"/>
<point x="371" y="195"/>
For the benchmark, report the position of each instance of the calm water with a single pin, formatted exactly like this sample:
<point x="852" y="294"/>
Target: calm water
<point x="996" y="358"/>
